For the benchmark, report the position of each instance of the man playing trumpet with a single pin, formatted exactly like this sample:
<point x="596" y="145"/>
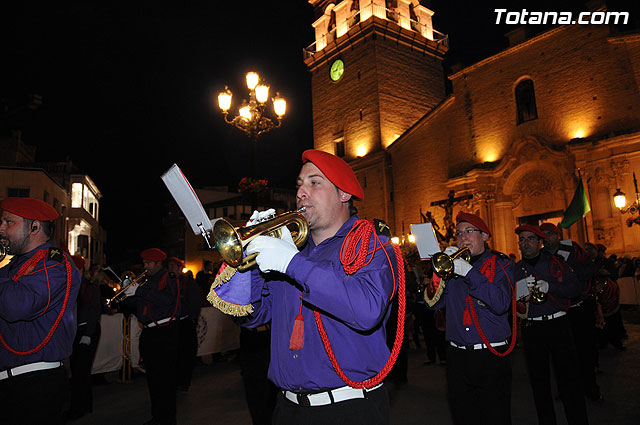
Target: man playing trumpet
<point x="158" y="310"/>
<point x="321" y="290"/>
<point x="477" y="300"/>
<point x="38" y="291"/>
<point x="547" y="330"/>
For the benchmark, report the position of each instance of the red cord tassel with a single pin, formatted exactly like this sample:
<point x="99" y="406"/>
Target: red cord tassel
<point x="297" y="336"/>
<point x="466" y="318"/>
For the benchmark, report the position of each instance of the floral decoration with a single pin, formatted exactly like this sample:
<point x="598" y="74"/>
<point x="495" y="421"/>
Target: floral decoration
<point x="249" y="185"/>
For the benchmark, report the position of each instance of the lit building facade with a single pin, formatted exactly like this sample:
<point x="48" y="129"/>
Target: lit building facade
<point x="73" y="194"/>
<point x="512" y="133"/>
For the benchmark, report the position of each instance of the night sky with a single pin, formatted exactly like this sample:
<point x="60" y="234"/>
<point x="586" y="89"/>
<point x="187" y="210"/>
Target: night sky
<point x="130" y="88"/>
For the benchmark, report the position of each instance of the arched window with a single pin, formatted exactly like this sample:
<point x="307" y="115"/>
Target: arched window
<point x="526" y="101"/>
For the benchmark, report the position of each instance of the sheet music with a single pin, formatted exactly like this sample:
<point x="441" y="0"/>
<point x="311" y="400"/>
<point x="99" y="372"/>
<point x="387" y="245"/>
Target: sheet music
<point x="565" y="248"/>
<point x="188" y="201"/>
<point x="426" y="240"/>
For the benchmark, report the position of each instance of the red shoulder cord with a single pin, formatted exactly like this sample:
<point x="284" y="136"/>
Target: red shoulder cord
<point x="27" y="268"/>
<point x="352" y="261"/>
<point x="557" y="273"/>
<point x="489" y="270"/>
<point x="163" y="282"/>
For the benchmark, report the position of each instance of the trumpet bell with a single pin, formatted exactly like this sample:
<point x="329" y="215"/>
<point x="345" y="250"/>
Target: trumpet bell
<point x="442" y="263"/>
<point x="228" y="242"/>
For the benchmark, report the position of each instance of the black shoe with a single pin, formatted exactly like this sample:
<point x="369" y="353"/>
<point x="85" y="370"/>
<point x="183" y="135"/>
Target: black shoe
<point x="596" y="399"/>
<point x="72" y="415"/>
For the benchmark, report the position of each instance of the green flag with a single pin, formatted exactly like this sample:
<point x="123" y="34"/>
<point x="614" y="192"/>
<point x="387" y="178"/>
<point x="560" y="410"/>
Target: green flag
<point x="578" y="207"/>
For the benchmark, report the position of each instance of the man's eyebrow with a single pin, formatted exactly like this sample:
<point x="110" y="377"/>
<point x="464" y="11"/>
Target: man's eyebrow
<point x="310" y="177"/>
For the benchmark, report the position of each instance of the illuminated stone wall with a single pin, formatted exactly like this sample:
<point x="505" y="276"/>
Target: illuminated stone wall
<point x="586" y="86"/>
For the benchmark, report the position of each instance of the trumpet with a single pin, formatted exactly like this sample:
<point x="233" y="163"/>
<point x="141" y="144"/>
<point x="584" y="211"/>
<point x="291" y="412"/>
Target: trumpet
<point x="230" y="241"/>
<point x="536" y="296"/>
<point x="120" y="295"/>
<point x="4" y="250"/>
<point x="442" y="263"/>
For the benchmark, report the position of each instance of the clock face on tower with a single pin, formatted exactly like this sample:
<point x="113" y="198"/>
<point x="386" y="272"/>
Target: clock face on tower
<point x="337" y="69"/>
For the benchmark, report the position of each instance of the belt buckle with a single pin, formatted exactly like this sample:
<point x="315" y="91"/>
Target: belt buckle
<point x="469" y="347"/>
<point x="303" y="399"/>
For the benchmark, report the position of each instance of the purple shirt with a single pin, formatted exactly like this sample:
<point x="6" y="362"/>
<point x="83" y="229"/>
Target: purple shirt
<point x="492" y="301"/>
<point x="354" y="311"/>
<point x="22" y="322"/>
<point x="561" y="291"/>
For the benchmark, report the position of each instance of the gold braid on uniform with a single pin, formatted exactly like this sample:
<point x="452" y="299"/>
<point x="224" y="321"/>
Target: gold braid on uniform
<point x="226" y="307"/>
<point x="436" y="297"/>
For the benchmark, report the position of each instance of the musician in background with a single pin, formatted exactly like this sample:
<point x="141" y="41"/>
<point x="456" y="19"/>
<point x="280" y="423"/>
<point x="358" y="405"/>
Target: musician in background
<point x="301" y="292"/>
<point x="158" y="310"/>
<point x="38" y="291"/>
<point x="189" y="314"/>
<point x="477" y="300"/>
<point x="84" y="345"/>
<point x="582" y="313"/>
<point x="547" y="331"/>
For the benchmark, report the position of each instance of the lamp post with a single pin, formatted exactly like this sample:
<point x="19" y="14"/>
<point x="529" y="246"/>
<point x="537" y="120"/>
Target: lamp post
<point x="620" y="199"/>
<point x="251" y="119"/>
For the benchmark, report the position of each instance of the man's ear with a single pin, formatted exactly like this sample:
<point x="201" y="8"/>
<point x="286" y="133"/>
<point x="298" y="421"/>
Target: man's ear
<point x="344" y="196"/>
<point x="35" y="226"/>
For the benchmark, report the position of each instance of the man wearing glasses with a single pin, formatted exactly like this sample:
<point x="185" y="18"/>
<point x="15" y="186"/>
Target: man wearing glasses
<point x="477" y="300"/>
<point x="547" y="334"/>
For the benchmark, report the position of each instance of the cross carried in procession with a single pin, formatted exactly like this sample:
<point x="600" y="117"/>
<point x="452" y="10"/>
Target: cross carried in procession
<point x="448" y="204"/>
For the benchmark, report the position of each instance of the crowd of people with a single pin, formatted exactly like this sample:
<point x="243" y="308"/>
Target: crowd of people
<point x="322" y="323"/>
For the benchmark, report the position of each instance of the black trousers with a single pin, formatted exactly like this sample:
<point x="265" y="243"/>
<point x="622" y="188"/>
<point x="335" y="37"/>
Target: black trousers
<point x="583" y="319"/>
<point x="479" y="386"/>
<point x="260" y="392"/>
<point x="547" y="342"/>
<point x="187" y="351"/>
<point x="81" y="362"/>
<point x="159" y="351"/>
<point x="34" y="397"/>
<point x="373" y="410"/>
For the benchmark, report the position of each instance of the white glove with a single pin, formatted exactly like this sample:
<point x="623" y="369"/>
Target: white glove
<point x="273" y="253"/>
<point x="461" y="267"/>
<point x="258" y="216"/>
<point x="131" y="290"/>
<point x="542" y="285"/>
<point x="450" y="250"/>
<point x="285" y="235"/>
<point x="85" y="340"/>
<point x="522" y="286"/>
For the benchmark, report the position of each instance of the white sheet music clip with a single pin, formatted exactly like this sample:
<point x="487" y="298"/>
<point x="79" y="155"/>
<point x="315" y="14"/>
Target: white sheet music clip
<point x="426" y="240"/>
<point x="188" y="202"/>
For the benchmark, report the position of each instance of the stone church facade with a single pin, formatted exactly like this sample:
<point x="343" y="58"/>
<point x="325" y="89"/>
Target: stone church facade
<point x="513" y="132"/>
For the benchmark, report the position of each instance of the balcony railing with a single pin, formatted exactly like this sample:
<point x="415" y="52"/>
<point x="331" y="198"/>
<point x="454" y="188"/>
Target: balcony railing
<point x="367" y="12"/>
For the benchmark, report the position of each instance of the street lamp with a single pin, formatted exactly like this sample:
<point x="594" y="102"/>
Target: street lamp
<point x="251" y="119"/>
<point x="620" y="199"/>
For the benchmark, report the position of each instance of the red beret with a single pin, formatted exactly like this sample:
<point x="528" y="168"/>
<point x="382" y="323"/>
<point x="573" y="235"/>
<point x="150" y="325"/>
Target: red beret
<point x="336" y="170"/>
<point x="601" y="247"/>
<point x="30" y="208"/>
<point x="153" y="254"/>
<point x="550" y="227"/>
<point x="177" y="261"/>
<point x="473" y="219"/>
<point x="79" y="261"/>
<point x="531" y="228"/>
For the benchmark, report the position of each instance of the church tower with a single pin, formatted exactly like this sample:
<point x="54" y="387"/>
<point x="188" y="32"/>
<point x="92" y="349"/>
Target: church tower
<point x="376" y="69"/>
